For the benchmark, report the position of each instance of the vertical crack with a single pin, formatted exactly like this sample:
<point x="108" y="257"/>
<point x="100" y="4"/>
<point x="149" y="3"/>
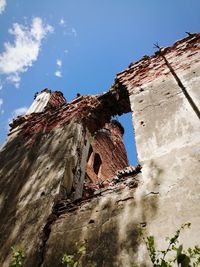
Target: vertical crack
<point x="59" y="208"/>
<point x="46" y="231"/>
<point x="180" y="84"/>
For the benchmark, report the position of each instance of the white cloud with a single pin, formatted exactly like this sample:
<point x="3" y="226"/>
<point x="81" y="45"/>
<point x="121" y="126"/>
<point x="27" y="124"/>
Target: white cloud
<point x="74" y="32"/>
<point x="59" y="63"/>
<point x="71" y="32"/>
<point x="18" y="57"/>
<point x="62" y="22"/>
<point x="1" y="85"/>
<point x="1" y="102"/>
<point x="19" y="112"/>
<point x="2" y="6"/>
<point x="58" y="73"/>
<point x="15" y="79"/>
<point x="66" y="51"/>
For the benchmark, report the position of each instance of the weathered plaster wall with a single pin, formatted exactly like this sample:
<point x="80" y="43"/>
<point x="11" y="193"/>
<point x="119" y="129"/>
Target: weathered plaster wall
<point x="40" y="102"/>
<point x="46" y="99"/>
<point x="105" y="223"/>
<point x="32" y="180"/>
<point x="43" y="162"/>
<point x="167" y="136"/>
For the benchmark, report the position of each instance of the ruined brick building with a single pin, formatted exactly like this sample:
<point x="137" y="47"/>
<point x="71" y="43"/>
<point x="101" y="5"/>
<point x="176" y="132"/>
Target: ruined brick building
<point x="64" y="173"/>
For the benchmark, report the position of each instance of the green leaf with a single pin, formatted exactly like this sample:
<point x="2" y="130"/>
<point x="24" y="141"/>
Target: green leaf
<point x="183" y="260"/>
<point x="18" y="257"/>
<point x="150" y="243"/>
<point x="82" y="250"/>
<point x="179" y="250"/>
<point x="164" y="264"/>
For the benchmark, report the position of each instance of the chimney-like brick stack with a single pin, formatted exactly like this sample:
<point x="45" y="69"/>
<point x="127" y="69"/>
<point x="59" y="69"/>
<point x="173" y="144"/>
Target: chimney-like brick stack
<point x="107" y="153"/>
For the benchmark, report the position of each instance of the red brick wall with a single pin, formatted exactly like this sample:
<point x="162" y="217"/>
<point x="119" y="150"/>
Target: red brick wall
<point x="109" y="147"/>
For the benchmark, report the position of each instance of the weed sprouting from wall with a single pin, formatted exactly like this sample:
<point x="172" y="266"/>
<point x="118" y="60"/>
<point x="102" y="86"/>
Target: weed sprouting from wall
<point x="18" y="256"/>
<point x="174" y="253"/>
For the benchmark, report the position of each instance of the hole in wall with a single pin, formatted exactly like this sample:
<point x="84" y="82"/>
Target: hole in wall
<point x="91" y="221"/>
<point x="112" y="149"/>
<point x="113" y="142"/>
<point x="97" y="163"/>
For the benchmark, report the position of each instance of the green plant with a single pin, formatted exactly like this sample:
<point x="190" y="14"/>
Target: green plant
<point x="174" y="254"/>
<point x="18" y="257"/>
<point x="74" y="260"/>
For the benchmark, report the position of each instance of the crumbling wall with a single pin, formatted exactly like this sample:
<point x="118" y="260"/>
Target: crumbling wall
<point x="165" y="100"/>
<point x="44" y="161"/>
<point x="45" y="204"/>
<point x="32" y="178"/>
<point x="102" y="223"/>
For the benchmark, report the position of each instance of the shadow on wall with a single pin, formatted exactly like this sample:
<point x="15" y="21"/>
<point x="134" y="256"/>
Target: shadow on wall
<point x="15" y="173"/>
<point x="29" y="178"/>
<point x="110" y="226"/>
<point x="150" y="190"/>
<point x="119" y="240"/>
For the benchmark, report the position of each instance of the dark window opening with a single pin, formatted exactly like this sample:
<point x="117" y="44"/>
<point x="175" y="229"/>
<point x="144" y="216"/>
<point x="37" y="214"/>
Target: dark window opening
<point x="97" y="163"/>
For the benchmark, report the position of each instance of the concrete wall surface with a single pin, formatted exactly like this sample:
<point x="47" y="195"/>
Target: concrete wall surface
<point x="31" y="181"/>
<point x="107" y="225"/>
<point x="168" y="142"/>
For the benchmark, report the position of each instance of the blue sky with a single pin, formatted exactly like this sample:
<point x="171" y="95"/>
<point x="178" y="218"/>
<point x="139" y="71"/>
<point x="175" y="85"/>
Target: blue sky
<point x="79" y="46"/>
